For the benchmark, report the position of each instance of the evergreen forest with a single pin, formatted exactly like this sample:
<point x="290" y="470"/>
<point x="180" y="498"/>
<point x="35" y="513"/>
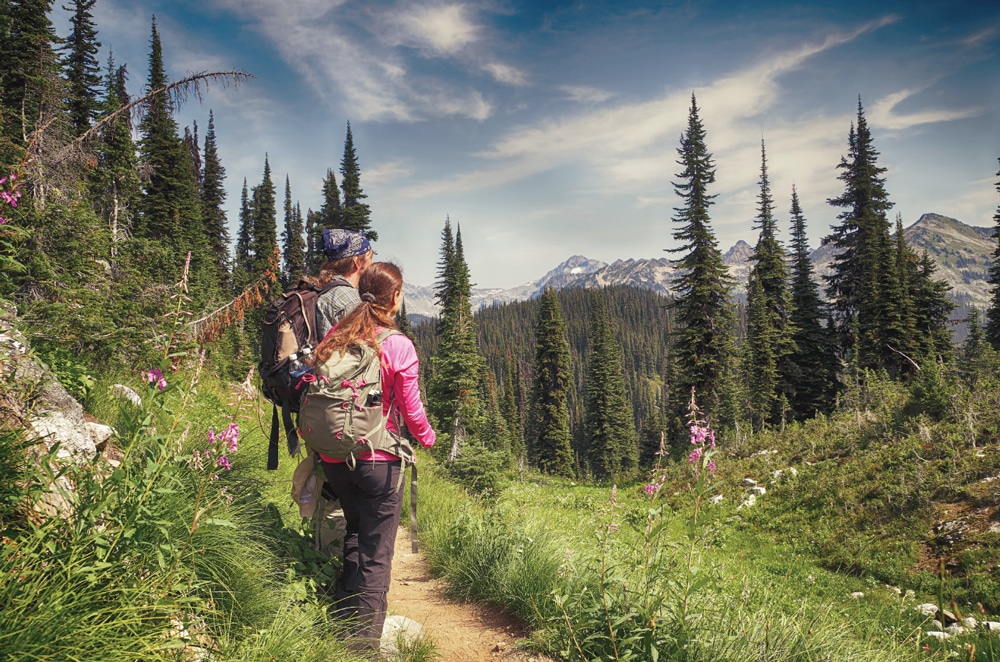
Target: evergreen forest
<point x="809" y="475"/>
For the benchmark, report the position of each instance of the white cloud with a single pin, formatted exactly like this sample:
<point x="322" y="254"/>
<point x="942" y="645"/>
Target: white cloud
<point x="506" y="74"/>
<point x="882" y="113"/>
<point x="585" y="93"/>
<point x="388" y="173"/>
<point x="348" y="54"/>
<point x="438" y="30"/>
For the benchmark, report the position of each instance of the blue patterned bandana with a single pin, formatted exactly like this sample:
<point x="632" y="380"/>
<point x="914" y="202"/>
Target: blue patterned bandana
<point x="338" y="243"/>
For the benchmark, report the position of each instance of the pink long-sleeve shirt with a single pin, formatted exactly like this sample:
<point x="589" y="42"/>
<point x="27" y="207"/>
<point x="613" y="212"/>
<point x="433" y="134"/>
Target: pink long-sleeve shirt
<point x="400" y="375"/>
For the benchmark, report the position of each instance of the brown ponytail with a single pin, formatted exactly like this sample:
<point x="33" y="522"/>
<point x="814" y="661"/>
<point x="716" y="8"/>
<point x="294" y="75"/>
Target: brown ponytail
<point x="378" y="283"/>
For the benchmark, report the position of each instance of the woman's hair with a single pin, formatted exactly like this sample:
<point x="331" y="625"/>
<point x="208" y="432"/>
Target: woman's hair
<point x="342" y="266"/>
<point x="377" y="285"/>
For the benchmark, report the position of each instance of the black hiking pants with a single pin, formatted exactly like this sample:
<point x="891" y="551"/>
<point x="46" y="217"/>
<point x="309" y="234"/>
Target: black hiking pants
<point x="372" y="508"/>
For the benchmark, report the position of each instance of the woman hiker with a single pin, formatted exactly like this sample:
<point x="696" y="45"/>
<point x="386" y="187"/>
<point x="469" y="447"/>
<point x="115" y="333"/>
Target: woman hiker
<point x="370" y="490"/>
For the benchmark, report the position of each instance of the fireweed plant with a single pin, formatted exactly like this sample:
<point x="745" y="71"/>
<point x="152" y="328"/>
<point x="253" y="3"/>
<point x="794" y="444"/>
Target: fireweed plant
<point x="643" y="608"/>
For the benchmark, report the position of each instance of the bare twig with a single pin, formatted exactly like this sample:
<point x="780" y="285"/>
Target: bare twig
<point x="904" y="356"/>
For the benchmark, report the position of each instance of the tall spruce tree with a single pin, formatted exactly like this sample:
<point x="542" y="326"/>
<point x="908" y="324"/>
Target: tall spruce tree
<point x="703" y="311"/>
<point x="194" y="153"/>
<point x="294" y="245"/>
<point x="356" y="214"/>
<point x="609" y="429"/>
<point x="213" y="197"/>
<point x="171" y="207"/>
<point x="82" y="70"/>
<point x="265" y="222"/>
<point x="859" y="285"/>
<point x="992" y="330"/>
<point x="243" y="263"/>
<point x="458" y="367"/>
<point x="813" y="369"/>
<point x="770" y="332"/>
<point x="314" y="241"/>
<point x="511" y="412"/>
<point x="548" y="433"/>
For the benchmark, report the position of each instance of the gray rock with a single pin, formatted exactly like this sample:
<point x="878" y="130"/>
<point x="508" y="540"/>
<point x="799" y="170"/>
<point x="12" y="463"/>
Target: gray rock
<point x="927" y="608"/>
<point x="398" y="629"/>
<point x="940" y="636"/>
<point x="125" y="392"/>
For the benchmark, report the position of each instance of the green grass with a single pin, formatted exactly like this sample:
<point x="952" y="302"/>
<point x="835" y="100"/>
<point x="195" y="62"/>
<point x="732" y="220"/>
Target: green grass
<point x="158" y="557"/>
<point x="872" y="482"/>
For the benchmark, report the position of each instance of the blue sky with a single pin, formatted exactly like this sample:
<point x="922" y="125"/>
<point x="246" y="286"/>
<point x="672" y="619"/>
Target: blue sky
<point x="548" y="129"/>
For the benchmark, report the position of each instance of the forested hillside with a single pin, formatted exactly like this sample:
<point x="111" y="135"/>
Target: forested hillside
<point x="641" y="321"/>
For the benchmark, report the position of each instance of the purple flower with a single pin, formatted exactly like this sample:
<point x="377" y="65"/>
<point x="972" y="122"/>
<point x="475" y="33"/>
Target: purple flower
<point x="231" y="436"/>
<point x="694" y="455"/>
<point x="651" y="489"/>
<point x="711" y="465"/>
<point x="154" y="376"/>
<point x="223" y="462"/>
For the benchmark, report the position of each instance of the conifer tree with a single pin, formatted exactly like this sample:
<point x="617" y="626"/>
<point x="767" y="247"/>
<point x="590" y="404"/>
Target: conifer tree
<point x="510" y="411"/>
<point x="857" y="286"/>
<point x="458" y="367"/>
<point x="194" y="153"/>
<point x="813" y="367"/>
<point x="403" y="322"/>
<point x="548" y="435"/>
<point x="609" y="429"/>
<point x="294" y="245"/>
<point x="243" y="264"/>
<point x="171" y="207"/>
<point x="82" y="70"/>
<point x="769" y="307"/>
<point x="703" y="311"/>
<point x="314" y="241"/>
<point x="265" y="222"/>
<point x="330" y="211"/>
<point x="356" y="214"/>
<point x="213" y="197"/>
<point x="29" y="80"/>
<point x="992" y="330"/>
<point x="932" y="321"/>
<point x="115" y="182"/>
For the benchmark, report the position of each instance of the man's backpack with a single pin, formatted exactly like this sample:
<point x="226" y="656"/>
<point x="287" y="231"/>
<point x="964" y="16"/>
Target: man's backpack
<point x="342" y="414"/>
<point x="288" y="336"/>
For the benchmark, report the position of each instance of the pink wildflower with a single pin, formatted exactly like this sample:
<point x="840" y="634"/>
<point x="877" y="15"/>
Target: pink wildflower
<point x="223" y="462"/>
<point x="155" y="376"/>
<point x="694" y="456"/>
<point x="651" y="489"/>
<point x="711" y="465"/>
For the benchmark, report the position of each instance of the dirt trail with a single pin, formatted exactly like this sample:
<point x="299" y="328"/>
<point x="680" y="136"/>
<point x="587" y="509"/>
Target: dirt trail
<point x="462" y="632"/>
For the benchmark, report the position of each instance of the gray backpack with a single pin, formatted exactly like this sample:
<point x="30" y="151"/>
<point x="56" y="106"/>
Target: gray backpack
<point x="341" y="412"/>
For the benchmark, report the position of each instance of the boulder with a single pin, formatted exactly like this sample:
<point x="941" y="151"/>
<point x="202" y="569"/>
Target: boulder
<point x="927" y="608"/>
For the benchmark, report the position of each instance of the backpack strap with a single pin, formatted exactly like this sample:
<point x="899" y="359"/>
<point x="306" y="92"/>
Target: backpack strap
<point x="413" y="507"/>
<point x="272" y="446"/>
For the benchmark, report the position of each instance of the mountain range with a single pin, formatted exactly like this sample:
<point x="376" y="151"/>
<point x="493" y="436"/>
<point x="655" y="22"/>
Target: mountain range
<point x="963" y="255"/>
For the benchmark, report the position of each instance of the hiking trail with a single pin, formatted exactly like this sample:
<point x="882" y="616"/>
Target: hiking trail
<point x="461" y="632"/>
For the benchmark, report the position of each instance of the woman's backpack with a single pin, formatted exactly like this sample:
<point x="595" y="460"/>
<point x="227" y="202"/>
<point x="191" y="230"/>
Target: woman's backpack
<point x="341" y="415"/>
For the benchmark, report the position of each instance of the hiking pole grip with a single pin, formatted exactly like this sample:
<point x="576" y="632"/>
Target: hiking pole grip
<point x="413" y="508"/>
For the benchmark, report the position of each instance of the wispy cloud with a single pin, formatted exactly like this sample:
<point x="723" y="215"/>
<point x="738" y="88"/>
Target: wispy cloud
<point x="883" y="113"/>
<point x="506" y="74"/>
<point x="438" y="30"/>
<point x="350" y="54"/>
<point x="585" y="93"/>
